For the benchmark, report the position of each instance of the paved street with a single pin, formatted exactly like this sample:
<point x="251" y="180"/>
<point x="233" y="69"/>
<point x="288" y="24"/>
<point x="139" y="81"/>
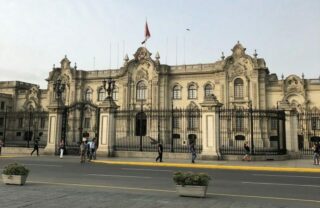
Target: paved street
<point x="53" y="182"/>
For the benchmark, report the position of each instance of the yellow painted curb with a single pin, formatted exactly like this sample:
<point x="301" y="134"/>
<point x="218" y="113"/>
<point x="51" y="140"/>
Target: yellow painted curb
<point x="208" y="166"/>
<point x="11" y="156"/>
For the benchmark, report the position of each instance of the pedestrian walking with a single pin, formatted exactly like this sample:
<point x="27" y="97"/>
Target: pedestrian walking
<point x="1" y="144"/>
<point x="160" y="151"/>
<point x="193" y="152"/>
<point x="83" y="151"/>
<point x="93" y="149"/>
<point x="247" y="151"/>
<point x="88" y="143"/>
<point x="35" y="146"/>
<point x="316" y="152"/>
<point x="61" y="148"/>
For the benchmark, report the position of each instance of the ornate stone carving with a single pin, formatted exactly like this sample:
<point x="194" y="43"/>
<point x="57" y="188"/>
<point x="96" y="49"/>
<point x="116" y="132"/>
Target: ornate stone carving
<point x="294" y="84"/>
<point x="142" y="53"/>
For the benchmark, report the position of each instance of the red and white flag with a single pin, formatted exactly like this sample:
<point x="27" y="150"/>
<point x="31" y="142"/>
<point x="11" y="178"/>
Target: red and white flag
<point x="147" y="34"/>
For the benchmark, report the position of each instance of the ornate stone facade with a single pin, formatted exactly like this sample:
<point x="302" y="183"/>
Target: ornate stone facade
<point x="235" y="81"/>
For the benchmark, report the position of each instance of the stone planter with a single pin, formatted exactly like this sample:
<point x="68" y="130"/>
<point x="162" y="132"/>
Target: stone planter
<point x="193" y="191"/>
<point x="14" y="179"/>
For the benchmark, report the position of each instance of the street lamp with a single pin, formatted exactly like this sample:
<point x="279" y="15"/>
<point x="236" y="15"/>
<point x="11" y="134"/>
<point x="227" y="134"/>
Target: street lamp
<point x="30" y="120"/>
<point x="251" y="125"/>
<point x="109" y="86"/>
<point x="58" y="88"/>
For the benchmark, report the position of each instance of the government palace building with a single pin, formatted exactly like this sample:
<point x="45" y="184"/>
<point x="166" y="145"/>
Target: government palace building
<point x="218" y="106"/>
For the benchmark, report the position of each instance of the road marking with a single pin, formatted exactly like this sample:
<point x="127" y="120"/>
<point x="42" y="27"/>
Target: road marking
<point x="120" y="176"/>
<point x="139" y="169"/>
<point x="211" y="166"/>
<point x="33" y="164"/>
<point x="286" y="176"/>
<point x="173" y="191"/>
<point x="282" y="184"/>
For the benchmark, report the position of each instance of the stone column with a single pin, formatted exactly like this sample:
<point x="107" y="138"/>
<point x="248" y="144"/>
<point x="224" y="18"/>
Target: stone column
<point x="54" y="127"/>
<point x="107" y="128"/>
<point x="210" y="128"/>
<point x="291" y="128"/>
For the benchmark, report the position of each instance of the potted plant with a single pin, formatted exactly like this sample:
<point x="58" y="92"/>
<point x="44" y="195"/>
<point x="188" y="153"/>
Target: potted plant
<point x="191" y="184"/>
<point x="15" y="174"/>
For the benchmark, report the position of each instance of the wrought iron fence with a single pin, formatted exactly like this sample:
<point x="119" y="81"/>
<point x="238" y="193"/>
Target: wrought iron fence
<point x="264" y="130"/>
<point x="308" y="131"/>
<point x="141" y="130"/>
<point x="20" y="129"/>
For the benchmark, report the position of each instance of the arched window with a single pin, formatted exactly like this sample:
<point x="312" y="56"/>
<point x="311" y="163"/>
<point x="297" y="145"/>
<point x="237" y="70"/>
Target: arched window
<point x="208" y="90"/>
<point x="238" y="88"/>
<point x="141" y="91"/>
<point x="88" y="95"/>
<point x="176" y="92"/>
<point x="102" y="94"/>
<point x="192" y="92"/>
<point x="115" y="93"/>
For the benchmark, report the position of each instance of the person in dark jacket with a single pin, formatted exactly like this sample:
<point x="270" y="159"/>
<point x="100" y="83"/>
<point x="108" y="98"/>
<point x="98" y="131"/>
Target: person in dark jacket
<point x="160" y="151"/>
<point x="35" y="147"/>
<point x="247" y="151"/>
<point x="193" y="152"/>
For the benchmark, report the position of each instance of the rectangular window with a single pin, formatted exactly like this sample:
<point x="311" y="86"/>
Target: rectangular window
<point x="1" y="122"/>
<point x="176" y="122"/>
<point x="2" y="105"/>
<point x="274" y="124"/>
<point x="239" y="121"/>
<point x="192" y="122"/>
<point x="20" y="122"/>
<point x="42" y="123"/>
<point x="315" y="123"/>
<point x="18" y="134"/>
<point x="192" y="94"/>
<point x="1" y="133"/>
<point x="87" y="123"/>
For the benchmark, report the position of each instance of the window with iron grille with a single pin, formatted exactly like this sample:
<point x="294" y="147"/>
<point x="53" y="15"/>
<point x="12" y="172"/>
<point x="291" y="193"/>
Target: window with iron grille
<point x="193" y="121"/>
<point x="176" y="92"/>
<point x="20" y="122"/>
<point x="274" y="124"/>
<point x="192" y="92"/>
<point x="176" y="123"/>
<point x="87" y="123"/>
<point x="238" y="88"/>
<point x="102" y="94"/>
<point x="239" y="121"/>
<point x="2" y="105"/>
<point x="1" y="122"/>
<point x="141" y="91"/>
<point x="42" y="123"/>
<point x="208" y="91"/>
<point x="88" y="95"/>
<point x="315" y="123"/>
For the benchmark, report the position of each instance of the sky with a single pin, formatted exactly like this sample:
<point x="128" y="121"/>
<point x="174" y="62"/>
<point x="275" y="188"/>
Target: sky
<point x="96" y="34"/>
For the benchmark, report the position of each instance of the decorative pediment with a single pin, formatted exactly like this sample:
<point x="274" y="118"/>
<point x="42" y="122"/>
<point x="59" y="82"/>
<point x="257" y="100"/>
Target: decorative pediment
<point x="141" y="54"/>
<point x="65" y="63"/>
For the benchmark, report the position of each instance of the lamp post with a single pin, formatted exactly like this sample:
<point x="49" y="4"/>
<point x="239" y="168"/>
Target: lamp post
<point x="30" y="120"/>
<point x="5" y="126"/>
<point x="251" y="126"/>
<point x="109" y="86"/>
<point x="59" y="88"/>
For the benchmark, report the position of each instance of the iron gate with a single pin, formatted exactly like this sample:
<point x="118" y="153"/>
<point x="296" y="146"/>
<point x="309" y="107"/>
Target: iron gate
<point x="264" y="130"/>
<point x="308" y="131"/>
<point x="141" y="130"/>
<point x="79" y="120"/>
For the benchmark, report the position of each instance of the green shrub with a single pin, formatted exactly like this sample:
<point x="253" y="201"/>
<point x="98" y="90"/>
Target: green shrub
<point x="189" y="178"/>
<point x="15" y="169"/>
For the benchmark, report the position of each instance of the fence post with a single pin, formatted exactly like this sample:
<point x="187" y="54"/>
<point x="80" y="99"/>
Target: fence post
<point x="291" y="129"/>
<point x="54" y="126"/>
<point x="107" y="128"/>
<point x="210" y="128"/>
